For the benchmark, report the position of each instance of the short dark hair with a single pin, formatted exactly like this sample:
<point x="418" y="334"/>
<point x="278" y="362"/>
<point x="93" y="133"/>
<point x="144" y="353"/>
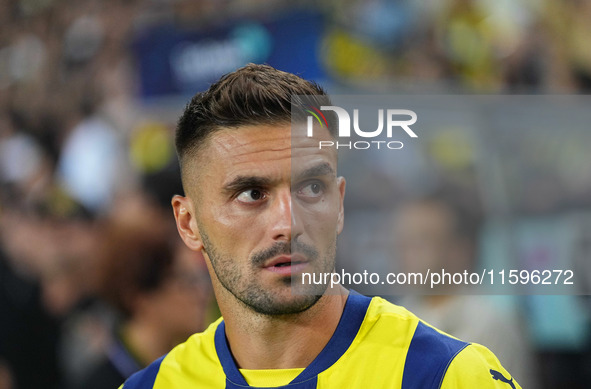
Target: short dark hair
<point x="251" y="95"/>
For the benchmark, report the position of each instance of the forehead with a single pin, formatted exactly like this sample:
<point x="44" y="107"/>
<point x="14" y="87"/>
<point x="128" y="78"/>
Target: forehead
<point x="265" y="148"/>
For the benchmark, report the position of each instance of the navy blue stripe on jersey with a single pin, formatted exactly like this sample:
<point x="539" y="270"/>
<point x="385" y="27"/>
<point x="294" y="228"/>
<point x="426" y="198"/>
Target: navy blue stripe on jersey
<point x="226" y="359"/>
<point x="428" y="358"/>
<point x="349" y="324"/>
<point x="347" y="329"/>
<point x="310" y="384"/>
<point x="235" y="380"/>
<point x="144" y="379"/>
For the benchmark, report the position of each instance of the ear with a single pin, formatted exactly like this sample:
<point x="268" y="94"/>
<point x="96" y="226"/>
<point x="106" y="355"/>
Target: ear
<point x="341" y="217"/>
<point x="186" y="224"/>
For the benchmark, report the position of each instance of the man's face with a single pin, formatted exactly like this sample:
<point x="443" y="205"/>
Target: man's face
<point x="267" y="207"/>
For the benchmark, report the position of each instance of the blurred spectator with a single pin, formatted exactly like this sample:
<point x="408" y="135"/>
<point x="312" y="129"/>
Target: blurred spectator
<point x="6" y="381"/>
<point x="436" y="233"/>
<point x="159" y="287"/>
<point x="91" y="162"/>
<point x="29" y="335"/>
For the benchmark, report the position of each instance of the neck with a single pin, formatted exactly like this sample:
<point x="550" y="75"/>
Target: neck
<point x="145" y="340"/>
<point x="285" y="341"/>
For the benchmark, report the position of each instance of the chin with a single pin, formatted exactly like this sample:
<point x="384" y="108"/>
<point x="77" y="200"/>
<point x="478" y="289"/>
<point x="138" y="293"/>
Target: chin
<point x="284" y="303"/>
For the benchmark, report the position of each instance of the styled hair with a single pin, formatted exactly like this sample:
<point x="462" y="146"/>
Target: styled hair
<point x="251" y="95"/>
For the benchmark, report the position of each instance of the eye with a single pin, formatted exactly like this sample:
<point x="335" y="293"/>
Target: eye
<point x="312" y="189"/>
<point x="251" y="196"/>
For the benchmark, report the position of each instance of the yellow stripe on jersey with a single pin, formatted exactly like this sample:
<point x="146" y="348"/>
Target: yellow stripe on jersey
<point x="376" y="345"/>
<point x="270" y="378"/>
<point x="465" y="370"/>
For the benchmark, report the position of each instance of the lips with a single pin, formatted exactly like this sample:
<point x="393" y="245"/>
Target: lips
<point x="286" y="264"/>
<point x="285" y="260"/>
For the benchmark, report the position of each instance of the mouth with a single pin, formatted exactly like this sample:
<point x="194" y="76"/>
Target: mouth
<point x="286" y="264"/>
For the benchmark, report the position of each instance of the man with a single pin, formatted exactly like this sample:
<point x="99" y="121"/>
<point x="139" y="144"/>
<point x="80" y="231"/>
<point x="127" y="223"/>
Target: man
<point x="264" y="204"/>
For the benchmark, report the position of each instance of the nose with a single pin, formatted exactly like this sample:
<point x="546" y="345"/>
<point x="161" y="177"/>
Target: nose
<point x="283" y="218"/>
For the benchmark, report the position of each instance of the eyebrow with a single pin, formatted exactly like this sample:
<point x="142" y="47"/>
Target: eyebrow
<point x="323" y="169"/>
<point x="244" y="182"/>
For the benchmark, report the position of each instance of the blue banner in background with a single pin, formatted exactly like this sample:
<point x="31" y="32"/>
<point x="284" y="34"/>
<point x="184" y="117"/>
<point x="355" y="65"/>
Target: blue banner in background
<point x="173" y="62"/>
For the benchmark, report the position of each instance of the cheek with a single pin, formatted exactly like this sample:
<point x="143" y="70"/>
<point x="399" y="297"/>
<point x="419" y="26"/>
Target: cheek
<point x="234" y="224"/>
<point x="226" y="223"/>
<point x="320" y="221"/>
<point x="235" y="233"/>
<point x="323" y="213"/>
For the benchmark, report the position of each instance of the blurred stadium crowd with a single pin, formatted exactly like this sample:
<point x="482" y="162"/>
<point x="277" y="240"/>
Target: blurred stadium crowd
<point x="87" y="164"/>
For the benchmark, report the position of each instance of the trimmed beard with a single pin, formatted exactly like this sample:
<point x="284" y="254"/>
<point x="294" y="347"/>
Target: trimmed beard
<point x="265" y="301"/>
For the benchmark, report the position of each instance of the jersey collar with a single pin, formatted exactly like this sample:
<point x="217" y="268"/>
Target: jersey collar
<point x="348" y="327"/>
